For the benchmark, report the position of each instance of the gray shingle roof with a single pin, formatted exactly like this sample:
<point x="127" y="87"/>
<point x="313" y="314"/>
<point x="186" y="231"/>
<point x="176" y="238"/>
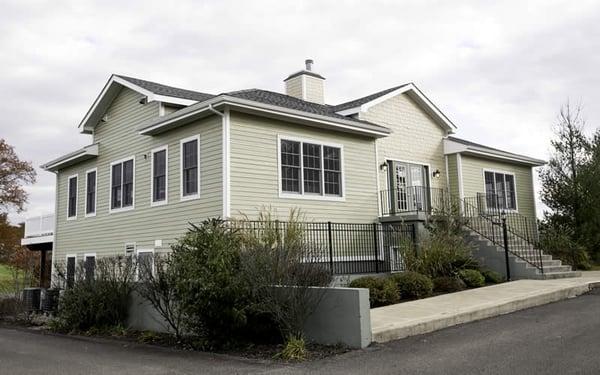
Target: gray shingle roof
<point x="494" y="150"/>
<point x="160" y="89"/>
<point x="365" y="99"/>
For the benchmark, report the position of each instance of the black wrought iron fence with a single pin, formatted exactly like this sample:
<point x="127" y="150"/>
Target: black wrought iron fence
<point x="413" y="199"/>
<point x="345" y="248"/>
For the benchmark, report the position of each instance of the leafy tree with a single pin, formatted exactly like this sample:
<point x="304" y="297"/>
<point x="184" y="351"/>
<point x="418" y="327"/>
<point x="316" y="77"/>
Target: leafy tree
<point x="14" y="173"/>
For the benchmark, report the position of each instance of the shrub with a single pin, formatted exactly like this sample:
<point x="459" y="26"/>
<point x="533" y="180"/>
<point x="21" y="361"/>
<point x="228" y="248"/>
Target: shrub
<point x="10" y="306"/>
<point x="206" y="265"/>
<point x="492" y="277"/>
<point x="442" y="254"/>
<point x="448" y="284"/>
<point x="413" y="284"/>
<point x="97" y="303"/>
<point x="294" y="350"/>
<point x="281" y="270"/>
<point x="382" y="291"/>
<point x="558" y="242"/>
<point x="472" y="278"/>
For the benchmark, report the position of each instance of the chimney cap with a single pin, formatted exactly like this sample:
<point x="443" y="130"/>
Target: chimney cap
<point x="309" y="63"/>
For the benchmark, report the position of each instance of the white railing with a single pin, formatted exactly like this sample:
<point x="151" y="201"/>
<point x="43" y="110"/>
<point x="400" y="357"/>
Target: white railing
<point x="42" y="225"/>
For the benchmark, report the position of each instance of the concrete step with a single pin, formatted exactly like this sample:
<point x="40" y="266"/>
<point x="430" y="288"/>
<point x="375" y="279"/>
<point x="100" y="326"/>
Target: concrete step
<point x="553" y="269"/>
<point x="558" y="275"/>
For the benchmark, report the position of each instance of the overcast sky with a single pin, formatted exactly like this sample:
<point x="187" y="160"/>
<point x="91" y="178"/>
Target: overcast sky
<point x="499" y="70"/>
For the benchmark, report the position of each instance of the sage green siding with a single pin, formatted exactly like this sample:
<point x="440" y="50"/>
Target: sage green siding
<point x="453" y="175"/>
<point x="473" y="180"/>
<point x="415" y="137"/>
<point x="255" y="174"/>
<point x="107" y="233"/>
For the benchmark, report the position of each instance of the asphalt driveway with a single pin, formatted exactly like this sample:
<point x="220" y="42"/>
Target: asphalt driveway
<point x="559" y="338"/>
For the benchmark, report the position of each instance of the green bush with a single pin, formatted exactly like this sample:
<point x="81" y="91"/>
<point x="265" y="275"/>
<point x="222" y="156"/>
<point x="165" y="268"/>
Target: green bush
<point x="492" y="277"/>
<point x="472" y="278"/>
<point x="294" y="350"/>
<point x="98" y="303"/>
<point x="382" y="291"/>
<point x="448" y="284"/>
<point x="413" y="285"/>
<point x="212" y="296"/>
<point x="558" y="242"/>
<point x="442" y="254"/>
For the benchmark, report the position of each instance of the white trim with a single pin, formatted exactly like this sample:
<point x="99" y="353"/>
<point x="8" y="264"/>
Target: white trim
<point x="452" y="146"/>
<point x="226" y="164"/>
<point x="409" y="89"/>
<point x="181" y="142"/>
<point x="141" y="251"/>
<point x="378" y="185"/>
<point x="504" y="173"/>
<point x="69" y="195"/>
<point x="161" y="109"/>
<point x="91" y="214"/>
<point x="85" y="153"/>
<point x="447" y="173"/>
<point x="121" y="209"/>
<point x="347" y="125"/>
<point x="152" y="152"/>
<point x="123" y="82"/>
<point x="302" y="195"/>
<point x="461" y="189"/>
<point x="71" y="256"/>
<point x="89" y="255"/>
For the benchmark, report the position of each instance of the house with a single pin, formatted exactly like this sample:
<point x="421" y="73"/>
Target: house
<point x="162" y="157"/>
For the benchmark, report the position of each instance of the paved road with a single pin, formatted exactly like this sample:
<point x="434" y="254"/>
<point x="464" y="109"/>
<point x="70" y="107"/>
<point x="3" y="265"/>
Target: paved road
<point x="560" y="338"/>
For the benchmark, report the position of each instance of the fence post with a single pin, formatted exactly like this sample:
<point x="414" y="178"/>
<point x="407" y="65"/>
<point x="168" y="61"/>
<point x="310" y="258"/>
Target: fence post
<point x="330" y="242"/>
<point x="376" y="247"/>
<point x="505" y="234"/>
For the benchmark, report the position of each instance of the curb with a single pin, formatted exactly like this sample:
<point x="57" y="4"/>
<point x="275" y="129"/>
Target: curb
<point x="480" y="313"/>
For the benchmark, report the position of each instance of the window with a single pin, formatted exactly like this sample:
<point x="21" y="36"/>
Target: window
<point x="310" y="169"/>
<point x="159" y="176"/>
<point x="71" y="263"/>
<point x="72" y="198"/>
<point x="145" y="261"/>
<point x="500" y="190"/>
<point x="90" y="193"/>
<point x="190" y="160"/>
<point x="89" y="266"/>
<point x="121" y="186"/>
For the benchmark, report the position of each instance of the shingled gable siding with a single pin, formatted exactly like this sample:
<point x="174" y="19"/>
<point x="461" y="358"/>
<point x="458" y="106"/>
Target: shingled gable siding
<point x="107" y="233"/>
<point x="254" y="171"/>
<point x="473" y="182"/>
<point x="415" y="136"/>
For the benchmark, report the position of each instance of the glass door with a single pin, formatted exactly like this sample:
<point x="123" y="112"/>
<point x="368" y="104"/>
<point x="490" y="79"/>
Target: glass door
<point x="408" y="187"/>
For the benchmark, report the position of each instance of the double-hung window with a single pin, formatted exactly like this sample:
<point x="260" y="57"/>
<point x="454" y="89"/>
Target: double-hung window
<point x="89" y="265"/>
<point x="190" y="171"/>
<point x="71" y="265"/>
<point x="500" y="190"/>
<point x="122" y="184"/>
<point x="159" y="176"/>
<point x="310" y="169"/>
<point x="72" y="198"/>
<point x="90" y="192"/>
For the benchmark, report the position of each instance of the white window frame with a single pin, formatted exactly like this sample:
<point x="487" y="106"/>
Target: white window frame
<point x="67" y="257"/>
<point x="74" y="217"/>
<point x="181" y="142"/>
<point x="121" y="209"/>
<point x="91" y="214"/>
<point x="142" y="251"/>
<point x="166" y="200"/>
<point x="311" y="196"/>
<point x="516" y="209"/>
<point x="90" y="255"/>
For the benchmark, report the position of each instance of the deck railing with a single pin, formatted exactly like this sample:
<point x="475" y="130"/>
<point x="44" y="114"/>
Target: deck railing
<point x="42" y="225"/>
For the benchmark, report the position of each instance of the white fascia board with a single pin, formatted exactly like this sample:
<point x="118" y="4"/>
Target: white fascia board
<point x="259" y="107"/>
<point x="73" y="157"/>
<point x="514" y="159"/>
<point x="86" y="128"/>
<point x="416" y="94"/>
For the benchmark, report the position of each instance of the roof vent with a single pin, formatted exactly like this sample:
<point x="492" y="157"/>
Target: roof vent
<point x="309" y="64"/>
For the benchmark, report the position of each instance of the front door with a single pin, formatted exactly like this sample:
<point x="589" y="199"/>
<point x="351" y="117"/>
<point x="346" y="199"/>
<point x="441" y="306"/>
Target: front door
<point x="409" y="187"/>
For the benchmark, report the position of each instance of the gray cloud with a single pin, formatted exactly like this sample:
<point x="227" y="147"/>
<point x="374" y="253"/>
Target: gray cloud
<point x="500" y="70"/>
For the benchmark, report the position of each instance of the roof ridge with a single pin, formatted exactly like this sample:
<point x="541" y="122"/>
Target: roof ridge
<point x="165" y="89"/>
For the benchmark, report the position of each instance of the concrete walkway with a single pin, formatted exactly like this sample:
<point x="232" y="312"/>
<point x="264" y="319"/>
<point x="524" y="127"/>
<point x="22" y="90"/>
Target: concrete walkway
<point x="413" y="318"/>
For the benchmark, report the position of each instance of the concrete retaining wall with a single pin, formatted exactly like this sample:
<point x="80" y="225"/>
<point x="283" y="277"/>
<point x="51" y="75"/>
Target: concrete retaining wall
<point x="342" y="317"/>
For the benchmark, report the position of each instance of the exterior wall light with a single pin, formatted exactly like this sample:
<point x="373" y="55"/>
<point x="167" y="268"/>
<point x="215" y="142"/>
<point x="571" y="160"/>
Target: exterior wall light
<point x="383" y="166"/>
<point x="436" y="174"/>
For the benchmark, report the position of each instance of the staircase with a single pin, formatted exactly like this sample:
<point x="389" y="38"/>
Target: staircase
<point x="526" y="260"/>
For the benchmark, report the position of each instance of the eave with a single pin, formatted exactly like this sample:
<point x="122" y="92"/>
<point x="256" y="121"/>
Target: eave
<point x="86" y="153"/>
<point x="452" y="147"/>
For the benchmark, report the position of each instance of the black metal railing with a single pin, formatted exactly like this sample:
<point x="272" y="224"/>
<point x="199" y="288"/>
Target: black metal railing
<point x="345" y="248"/>
<point x="413" y="199"/>
<point x="519" y="237"/>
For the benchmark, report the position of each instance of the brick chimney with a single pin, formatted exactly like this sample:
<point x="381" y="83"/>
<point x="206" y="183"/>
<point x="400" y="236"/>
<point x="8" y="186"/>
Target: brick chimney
<point x="306" y="85"/>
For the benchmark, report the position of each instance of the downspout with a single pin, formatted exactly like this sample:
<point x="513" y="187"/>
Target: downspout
<point x="225" y="158"/>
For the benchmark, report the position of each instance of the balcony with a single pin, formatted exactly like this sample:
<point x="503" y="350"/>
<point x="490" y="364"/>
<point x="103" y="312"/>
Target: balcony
<point x="413" y="202"/>
<point x="39" y="231"/>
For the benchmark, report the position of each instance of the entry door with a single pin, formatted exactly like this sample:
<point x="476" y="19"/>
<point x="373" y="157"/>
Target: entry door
<point x="408" y="186"/>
